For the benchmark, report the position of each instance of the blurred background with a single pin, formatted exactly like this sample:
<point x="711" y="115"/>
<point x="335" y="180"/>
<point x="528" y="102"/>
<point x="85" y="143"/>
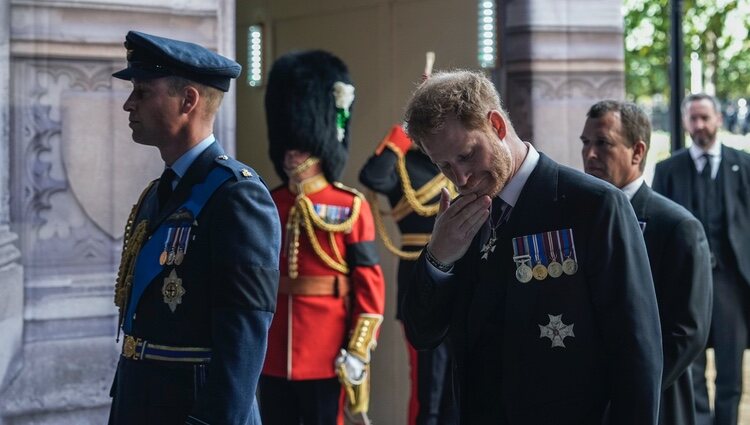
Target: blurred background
<point x="69" y="172"/>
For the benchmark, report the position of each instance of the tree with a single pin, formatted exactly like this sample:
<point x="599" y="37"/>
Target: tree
<point x="716" y="30"/>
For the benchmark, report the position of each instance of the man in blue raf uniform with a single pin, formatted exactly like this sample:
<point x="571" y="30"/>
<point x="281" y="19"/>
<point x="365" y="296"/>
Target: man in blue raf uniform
<point x="199" y="272"/>
<point x="547" y="299"/>
<point x="711" y="180"/>
<point x="615" y="143"/>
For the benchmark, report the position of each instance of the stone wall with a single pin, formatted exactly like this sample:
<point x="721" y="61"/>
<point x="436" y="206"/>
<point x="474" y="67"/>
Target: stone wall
<point x="560" y="57"/>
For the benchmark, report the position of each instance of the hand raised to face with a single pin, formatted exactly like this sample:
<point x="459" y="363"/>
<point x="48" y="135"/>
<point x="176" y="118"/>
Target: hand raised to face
<point x="456" y="225"/>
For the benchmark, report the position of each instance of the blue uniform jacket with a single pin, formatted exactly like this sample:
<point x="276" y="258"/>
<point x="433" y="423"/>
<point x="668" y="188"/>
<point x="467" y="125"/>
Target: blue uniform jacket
<point x="230" y="276"/>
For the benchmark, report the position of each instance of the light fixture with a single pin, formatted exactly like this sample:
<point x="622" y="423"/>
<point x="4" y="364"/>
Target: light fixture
<point x="255" y="55"/>
<point x="486" y="34"/>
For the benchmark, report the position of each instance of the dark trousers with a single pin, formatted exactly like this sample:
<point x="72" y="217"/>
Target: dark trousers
<point x="308" y="402"/>
<point x="154" y="393"/>
<point x="729" y="337"/>
<point x="432" y="401"/>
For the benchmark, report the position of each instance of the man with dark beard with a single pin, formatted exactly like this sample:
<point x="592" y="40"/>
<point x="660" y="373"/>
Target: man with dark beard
<point x="711" y="180"/>
<point x="538" y="274"/>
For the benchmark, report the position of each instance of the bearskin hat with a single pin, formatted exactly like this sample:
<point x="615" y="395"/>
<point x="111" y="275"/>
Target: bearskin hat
<point x="303" y="91"/>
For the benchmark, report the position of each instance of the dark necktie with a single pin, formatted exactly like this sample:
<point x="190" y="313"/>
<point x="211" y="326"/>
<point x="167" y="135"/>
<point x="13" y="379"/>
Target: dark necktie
<point x="500" y="211"/>
<point x="499" y="215"/>
<point x="703" y="191"/>
<point x="164" y="189"/>
<point x="707" y="169"/>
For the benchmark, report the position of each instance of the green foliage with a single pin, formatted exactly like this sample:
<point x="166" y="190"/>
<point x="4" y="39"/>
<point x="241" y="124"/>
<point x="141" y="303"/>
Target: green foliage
<point x="716" y="30"/>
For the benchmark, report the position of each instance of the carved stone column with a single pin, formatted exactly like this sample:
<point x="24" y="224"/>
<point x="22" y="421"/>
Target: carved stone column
<point x="560" y="58"/>
<point x="225" y="42"/>
<point x="11" y="272"/>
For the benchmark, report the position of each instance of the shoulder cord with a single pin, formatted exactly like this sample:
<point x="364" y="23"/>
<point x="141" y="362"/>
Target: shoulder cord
<point x="303" y="213"/>
<point x="372" y="198"/>
<point x="132" y="241"/>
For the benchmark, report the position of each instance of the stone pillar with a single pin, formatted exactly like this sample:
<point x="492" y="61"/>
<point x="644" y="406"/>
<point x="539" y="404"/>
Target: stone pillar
<point x="69" y="174"/>
<point x="11" y="272"/>
<point x="225" y="42"/>
<point x="560" y="58"/>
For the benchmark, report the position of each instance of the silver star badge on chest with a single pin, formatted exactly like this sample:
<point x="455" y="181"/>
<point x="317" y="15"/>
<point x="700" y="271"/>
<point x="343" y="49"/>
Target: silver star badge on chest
<point x="172" y="290"/>
<point x="556" y="330"/>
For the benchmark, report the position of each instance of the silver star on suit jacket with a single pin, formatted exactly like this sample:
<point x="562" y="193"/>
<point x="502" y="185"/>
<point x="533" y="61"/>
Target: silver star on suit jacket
<point x="556" y="330"/>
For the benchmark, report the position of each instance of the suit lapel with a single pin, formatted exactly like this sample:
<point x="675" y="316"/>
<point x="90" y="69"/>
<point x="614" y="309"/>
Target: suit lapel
<point x="640" y="202"/>
<point x="529" y="215"/>
<point x="731" y="179"/>
<point x="686" y="173"/>
<point x="195" y="174"/>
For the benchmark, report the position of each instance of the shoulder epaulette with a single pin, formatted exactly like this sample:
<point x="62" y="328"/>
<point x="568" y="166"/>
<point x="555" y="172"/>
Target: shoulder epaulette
<point x="346" y="188"/>
<point x="240" y="170"/>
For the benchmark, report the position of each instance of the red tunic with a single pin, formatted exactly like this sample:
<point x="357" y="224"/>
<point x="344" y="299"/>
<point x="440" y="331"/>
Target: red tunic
<point x="308" y="332"/>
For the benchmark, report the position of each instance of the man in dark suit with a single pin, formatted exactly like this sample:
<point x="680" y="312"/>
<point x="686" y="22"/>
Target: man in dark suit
<point x="199" y="272"/>
<point x="615" y="140"/>
<point x="711" y="180"/>
<point x="547" y="299"/>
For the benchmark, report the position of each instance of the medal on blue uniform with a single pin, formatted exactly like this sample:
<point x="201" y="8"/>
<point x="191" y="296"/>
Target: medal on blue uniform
<point x="570" y="264"/>
<point x="165" y="254"/>
<point x="539" y="271"/>
<point x="173" y="246"/>
<point x="182" y="245"/>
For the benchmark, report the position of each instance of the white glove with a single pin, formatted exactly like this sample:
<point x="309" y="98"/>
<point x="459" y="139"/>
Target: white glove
<point x="353" y="367"/>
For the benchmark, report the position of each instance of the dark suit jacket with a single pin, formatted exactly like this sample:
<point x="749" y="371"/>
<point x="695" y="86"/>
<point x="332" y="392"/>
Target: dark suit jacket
<point x="680" y="266"/>
<point x="674" y="178"/>
<point x="230" y="274"/>
<point x="505" y="372"/>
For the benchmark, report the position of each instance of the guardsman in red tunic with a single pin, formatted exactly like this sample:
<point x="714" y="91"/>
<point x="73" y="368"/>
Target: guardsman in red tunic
<point x="331" y="293"/>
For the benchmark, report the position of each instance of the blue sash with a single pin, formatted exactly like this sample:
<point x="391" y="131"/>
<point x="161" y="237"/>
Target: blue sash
<point x="147" y="265"/>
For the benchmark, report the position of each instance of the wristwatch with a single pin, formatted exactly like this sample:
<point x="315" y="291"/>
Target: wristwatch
<point x="443" y="267"/>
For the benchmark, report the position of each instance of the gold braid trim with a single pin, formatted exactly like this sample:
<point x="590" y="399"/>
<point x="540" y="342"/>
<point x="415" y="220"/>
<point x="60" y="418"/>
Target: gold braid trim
<point x="132" y="241"/>
<point x="372" y="198"/>
<point x="304" y="203"/>
<point x="292" y="229"/>
<point x="310" y="230"/>
<point x="127" y="266"/>
<point x="335" y="248"/>
<point x="406" y="187"/>
<point x="428" y="191"/>
<point x="303" y="213"/>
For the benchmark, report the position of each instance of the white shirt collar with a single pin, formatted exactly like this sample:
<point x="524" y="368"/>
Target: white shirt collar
<point x="631" y="188"/>
<point x="512" y="189"/>
<point x="696" y="152"/>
